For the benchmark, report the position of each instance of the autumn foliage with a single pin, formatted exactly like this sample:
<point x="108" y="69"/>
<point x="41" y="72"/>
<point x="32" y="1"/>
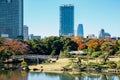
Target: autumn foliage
<point x="82" y="46"/>
<point x="93" y="44"/>
<point x="10" y="47"/>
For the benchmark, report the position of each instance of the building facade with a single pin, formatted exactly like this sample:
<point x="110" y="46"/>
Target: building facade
<point x="11" y="18"/>
<point x="66" y="20"/>
<point x="80" y="30"/>
<point x="25" y="33"/>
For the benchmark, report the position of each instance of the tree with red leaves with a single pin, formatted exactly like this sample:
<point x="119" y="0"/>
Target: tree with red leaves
<point x="82" y="46"/>
<point x="12" y="47"/>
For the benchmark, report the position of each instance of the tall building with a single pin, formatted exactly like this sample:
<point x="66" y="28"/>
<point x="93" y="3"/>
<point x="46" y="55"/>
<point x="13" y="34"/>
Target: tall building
<point x="66" y="20"/>
<point x="80" y="30"/>
<point x="25" y="33"/>
<point x="11" y="18"/>
<point x="103" y="34"/>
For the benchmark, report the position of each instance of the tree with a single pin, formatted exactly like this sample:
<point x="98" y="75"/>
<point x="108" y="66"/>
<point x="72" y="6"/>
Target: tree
<point x="82" y="46"/>
<point x="69" y="44"/>
<point x="93" y="44"/>
<point x="12" y="47"/>
<point x="107" y="49"/>
<point x="78" y="39"/>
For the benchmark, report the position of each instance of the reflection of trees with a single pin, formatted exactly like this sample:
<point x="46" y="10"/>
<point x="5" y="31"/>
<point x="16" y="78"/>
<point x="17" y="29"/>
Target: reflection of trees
<point x="12" y="75"/>
<point x="92" y="76"/>
<point x="109" y="77"/>
<point x="52" y="75"/>
<point x="62" y="76"/>
<point x="67" y="77"/>
<point x="113" y="77"/>
<point x="119" y="77"/>
<point x="80" y="76"/>
<point x="103" y="77"/>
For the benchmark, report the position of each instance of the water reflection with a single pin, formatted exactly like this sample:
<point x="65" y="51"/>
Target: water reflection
<point x="22" y="75"/>
<point x="13" y="75"/>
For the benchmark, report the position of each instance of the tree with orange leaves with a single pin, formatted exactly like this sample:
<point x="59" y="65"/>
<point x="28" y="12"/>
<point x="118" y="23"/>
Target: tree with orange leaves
<point x="78" y="39"/>
<point x="82" y="46"/>
<point x="93" y="44"/>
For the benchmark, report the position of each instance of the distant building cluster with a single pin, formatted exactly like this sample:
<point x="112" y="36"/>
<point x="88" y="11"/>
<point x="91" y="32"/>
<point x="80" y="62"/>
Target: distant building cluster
<point x="67" y="24"/>
<point x="103" y="34"/>
<point x="11" y="22"/>
<point x="91" y="36"/>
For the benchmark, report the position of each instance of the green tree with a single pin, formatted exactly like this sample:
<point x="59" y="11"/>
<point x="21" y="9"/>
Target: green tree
<point x="107" y="49"/>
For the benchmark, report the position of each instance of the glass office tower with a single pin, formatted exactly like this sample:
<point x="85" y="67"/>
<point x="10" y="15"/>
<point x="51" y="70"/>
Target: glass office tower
<point x="66" y="20"/>
<point x="11" y="18"/>
<point x="80" y="30"/>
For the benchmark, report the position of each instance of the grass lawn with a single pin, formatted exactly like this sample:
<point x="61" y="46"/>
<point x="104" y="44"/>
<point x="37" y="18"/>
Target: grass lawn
<point x="55" y="66"/>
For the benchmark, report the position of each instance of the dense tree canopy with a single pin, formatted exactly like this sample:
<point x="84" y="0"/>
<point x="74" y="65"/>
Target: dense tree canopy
<point x="51" y="45"/>
<point x="54" y="45"/>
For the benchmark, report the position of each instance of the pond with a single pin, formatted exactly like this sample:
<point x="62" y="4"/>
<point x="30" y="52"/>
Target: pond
<point x="22" y="75"/>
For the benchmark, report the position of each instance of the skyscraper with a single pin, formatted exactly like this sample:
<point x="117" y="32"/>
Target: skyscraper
<point x="101" y="34"/>
<point x="80" y="30"/>
<point x="11" y="18"/>
<point x="66" y="20"/>
<point x="25" y="33"/>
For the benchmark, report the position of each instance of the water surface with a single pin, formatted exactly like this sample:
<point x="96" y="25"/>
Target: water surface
<point x="22" y="75"/>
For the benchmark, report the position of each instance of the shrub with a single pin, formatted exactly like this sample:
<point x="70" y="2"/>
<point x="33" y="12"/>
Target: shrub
<point x="23" y="64"/>
<point x="96" y="54"/>
<point x="118" y="64"/>
<point x="112" y="64"/>
<point x="92" y="65"/>
<point x="65" y="54"/>
<point x="117" y="53"/>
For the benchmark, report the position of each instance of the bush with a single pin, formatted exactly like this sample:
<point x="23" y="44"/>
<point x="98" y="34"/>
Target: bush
<point x="92" y="65"/>
<point x="23" y="64"/>
<point x="117" y="53"/>
<point x="96" y="54"/>
<point x="118" y="64"/>
<point x="65" y="54"/>
<point x="112" y="64"/>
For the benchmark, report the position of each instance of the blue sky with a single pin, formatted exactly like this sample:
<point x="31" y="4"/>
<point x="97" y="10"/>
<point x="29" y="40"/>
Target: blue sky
<point x="42" y="16"/>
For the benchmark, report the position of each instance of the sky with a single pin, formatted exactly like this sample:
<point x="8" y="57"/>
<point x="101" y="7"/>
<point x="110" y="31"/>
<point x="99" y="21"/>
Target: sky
<point x="43" y="16"/>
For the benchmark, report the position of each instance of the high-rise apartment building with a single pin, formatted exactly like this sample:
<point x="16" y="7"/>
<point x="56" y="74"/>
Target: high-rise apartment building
<point x="11" y="18"/>
<point x="25" y="33"/>
<point x="80" y="30"/>
<point x="66" y="20"/>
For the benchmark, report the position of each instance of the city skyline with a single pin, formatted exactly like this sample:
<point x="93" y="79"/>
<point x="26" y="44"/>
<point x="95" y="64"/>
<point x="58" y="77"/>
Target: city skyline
<point x="42" y="17"/>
